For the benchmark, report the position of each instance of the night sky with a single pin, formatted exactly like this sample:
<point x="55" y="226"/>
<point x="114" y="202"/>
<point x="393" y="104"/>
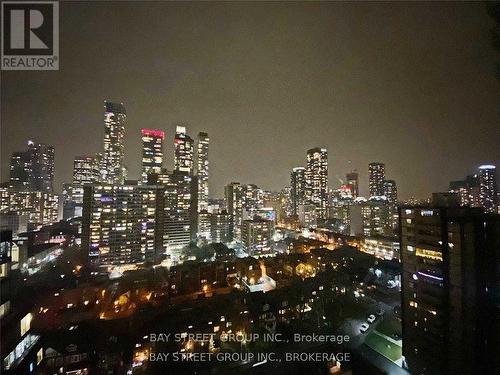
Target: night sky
<point x="409" y="84"/>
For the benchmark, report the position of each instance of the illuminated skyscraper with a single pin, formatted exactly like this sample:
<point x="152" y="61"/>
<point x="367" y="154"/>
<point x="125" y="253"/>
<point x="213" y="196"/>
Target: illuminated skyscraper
<point x="203" y="232"/>
<point x="152" y="152"/>
<point x="278" y="203"/>
<point x="20" y="171"/>
<point x="179" y="212"/>
<point x="220" y="227"/>
<point x="184" y="149"/>
<point x="488" y="188"/>
<point x="113" y="170"/>
<point x="391" y="192"/>
<point x="252" y="197"/>
<point x="38" y="207"/>
<point x="285" y="203"/>
<point x="317" y="180"/>
<point x="298" y="188"/>
<point x="376" y="216"/>
<point x="33" y="169"/>
<point x="308" y="214"/>
<point x="99" y="165"/>
<point x="202" y="170"/>
<point x="256" y="236"/>
<point x="85" y="170"/>
<point x="468" y="191"/>
<point x="352" y="180"/>
<point x="122" y="224"/>
<point x="42" y="166"/>
<point x="234" y="203"/>
<point x="376" y="178"/>
<point x="449" y="281"/>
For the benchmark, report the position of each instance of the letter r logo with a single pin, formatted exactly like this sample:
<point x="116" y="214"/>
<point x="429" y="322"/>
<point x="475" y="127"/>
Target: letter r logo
<point x="18" y="29"/>
<point x="27" y="28"/>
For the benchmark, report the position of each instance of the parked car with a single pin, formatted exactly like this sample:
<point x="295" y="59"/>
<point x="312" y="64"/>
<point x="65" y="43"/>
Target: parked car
<point x="371" y="319"/>
<point x="364" y="327"/>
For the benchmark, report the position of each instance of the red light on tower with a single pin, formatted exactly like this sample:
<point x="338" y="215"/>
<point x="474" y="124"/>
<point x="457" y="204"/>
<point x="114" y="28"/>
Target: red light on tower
<point x="153" y="133"/>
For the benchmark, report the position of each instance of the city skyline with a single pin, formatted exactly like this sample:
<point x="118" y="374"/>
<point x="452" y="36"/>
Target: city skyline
<point x="339" y="181"/>
<point x="250" y="187"/>
<point x="263" y="121"/>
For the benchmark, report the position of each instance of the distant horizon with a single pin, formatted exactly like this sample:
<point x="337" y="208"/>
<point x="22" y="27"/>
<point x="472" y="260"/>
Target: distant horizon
<point x="368" y="82"/>
<point x="170" y="168"/>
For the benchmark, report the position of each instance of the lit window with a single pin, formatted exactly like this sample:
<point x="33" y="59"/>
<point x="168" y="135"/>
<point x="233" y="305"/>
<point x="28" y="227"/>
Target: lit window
<point x="26" y="323"/>
<point x="430" y="254"/>
<point x="39" y="356"/>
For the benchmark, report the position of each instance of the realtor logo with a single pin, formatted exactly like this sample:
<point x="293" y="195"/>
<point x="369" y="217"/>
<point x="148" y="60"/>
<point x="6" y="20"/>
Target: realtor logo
<point x="30" y="35"/>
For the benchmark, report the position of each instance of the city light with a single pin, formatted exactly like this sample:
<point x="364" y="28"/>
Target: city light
<point x="269" y="188"/>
